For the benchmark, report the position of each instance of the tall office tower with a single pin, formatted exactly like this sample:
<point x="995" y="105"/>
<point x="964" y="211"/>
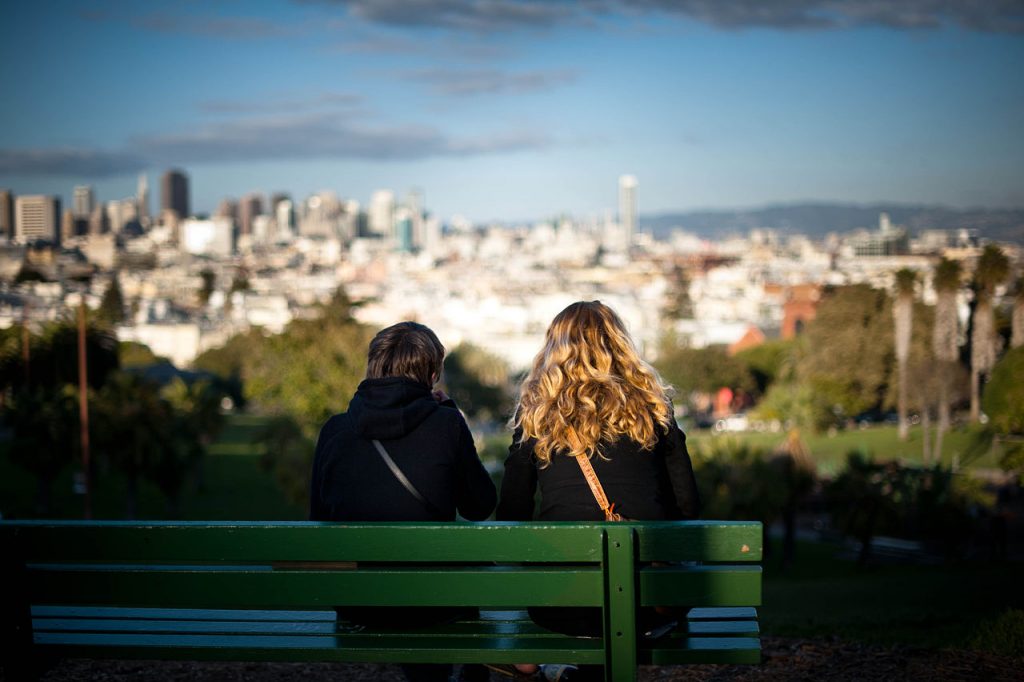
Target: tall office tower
<point x="6" y="214"/>
<point x="403" y="229"/>
<point x="275" y="199"/>
<point x="285" y="214"/>
<point x="37" y="217"/>
<point x="67" y="225"/>
<point x="627" y="208"/>
<point x="142" y="199"/>
<point x="414" y="202"/>
<point x="381" y="213"/>
<point x="98" y="223"/>
<point x="84" y="200"/>
<point x="174" y="193"/>
<point x="227" y="208"/>
<point x="250" y="206"/>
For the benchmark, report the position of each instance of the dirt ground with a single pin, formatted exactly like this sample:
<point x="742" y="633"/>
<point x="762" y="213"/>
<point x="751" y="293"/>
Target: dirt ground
<point x="784" y="659"/>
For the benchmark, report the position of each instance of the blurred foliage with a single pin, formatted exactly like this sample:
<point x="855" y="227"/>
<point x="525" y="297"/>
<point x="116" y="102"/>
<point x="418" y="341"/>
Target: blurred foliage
<point x="53" y="355"/>
<point x="111" y="308"/>
<point x="932" y="505"/>
<point x="703" y="370"/>
<point x="769" y="362"/>
<point x="44" y="434"/>
<point x="1003" y="635"/>
<point x="795" y="405"/>
<point x="847" y="352"/>
<point x="133" y="354"/>
<point x="1003" y="402"/>
<point x="288" y="456"/>
<point x="479" y="382"/>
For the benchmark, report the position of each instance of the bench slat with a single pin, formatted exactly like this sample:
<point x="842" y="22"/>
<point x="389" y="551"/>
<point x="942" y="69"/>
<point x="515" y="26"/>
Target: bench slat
<point x="708" y="541"/>
<point x="701" y="650"/>
<point x="487" y="586"/>
<point x="180" y="542"/>
<point x="700" y="585"/>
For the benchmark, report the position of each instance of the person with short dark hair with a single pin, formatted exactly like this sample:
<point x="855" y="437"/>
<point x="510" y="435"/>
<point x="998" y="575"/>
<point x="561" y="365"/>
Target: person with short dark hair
<point x="397" y="414"/>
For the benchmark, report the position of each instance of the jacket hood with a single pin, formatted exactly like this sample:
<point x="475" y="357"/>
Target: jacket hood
<point x="390" y="408"/>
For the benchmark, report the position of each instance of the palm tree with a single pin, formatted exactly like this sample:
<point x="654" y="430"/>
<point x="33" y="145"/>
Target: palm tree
<point x="944" y="339"/>
<point x="903" y="318"/>
<point x="1017" y="333"/>
<point x="992" y="270"/>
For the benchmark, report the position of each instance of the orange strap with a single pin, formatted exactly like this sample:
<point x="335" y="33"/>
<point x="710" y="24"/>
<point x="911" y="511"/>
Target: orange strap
<point x="595" y="487"/>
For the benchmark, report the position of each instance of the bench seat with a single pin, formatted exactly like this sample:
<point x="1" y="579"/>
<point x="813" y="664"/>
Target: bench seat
<point x="278" y="635"/>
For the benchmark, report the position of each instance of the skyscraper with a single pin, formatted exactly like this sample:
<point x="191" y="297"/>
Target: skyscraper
<point x="627" y="208"/>
<point x="6" y="214"/>
<point x="83" y="201"/>
<point x="381" y="213"/>
<point x="37" y="217"/>
<point x="142" y="199"/>
<point x="174" y="193"/>
<point x="250" y="206"/>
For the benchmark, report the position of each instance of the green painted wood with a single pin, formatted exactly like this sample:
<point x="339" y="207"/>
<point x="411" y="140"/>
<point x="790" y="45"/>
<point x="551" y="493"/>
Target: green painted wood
<point x="620" y="613"/>
<point x="708" y="541"/>
<point x="474" y="628"/>
<point x="351" y="648"/>
<point x="307" y="541"/>
<point x="702" y="650"/>
<point x="64" y="611"/>
<point x="700" y="586"/>
<point x="450" y="586"/>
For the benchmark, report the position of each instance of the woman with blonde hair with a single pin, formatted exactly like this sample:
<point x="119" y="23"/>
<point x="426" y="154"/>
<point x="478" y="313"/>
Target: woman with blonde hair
<point x="590" y="399"/>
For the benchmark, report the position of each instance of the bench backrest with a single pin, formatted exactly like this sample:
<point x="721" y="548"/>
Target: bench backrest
<point x="309" y="564"/>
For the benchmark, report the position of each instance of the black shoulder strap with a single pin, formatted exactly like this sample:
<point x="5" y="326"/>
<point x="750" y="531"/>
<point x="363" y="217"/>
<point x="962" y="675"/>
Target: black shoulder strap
<point x="406" y="483"/>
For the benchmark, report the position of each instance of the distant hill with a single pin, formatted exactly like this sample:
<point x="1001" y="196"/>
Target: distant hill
<point x="817" y="220"/>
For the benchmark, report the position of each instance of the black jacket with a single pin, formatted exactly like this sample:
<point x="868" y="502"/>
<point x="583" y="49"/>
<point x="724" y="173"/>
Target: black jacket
<point x="429" y="442"/>
<point x="643" y="484"/>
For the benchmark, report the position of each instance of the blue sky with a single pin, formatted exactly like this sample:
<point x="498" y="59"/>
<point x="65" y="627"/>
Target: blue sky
<point x="519" y="109"/>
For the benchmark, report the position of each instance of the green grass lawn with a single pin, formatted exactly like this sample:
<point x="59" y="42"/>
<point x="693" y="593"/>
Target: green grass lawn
<point x="880" y="442"/>
<point x="948" y="605"/>
<point x="231" y="486"/>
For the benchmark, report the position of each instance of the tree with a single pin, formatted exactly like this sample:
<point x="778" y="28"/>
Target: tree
<point x="703" y="370"/>
<point x="130" y="429"/>
<point x="678" y="304"/>
<point x="847" y="351"/>
<point x="44" y="427"/>
<point x="769" y="362"/>
<point x="992" y="270"/>
<point x="479" y="382"/>
<point x="111" y="308"/>
<point x="209" y="284"/>
<point x="195" y="420"/>
<point x="1004" y="404"/>
<point x="903" y="316"/>
<point x="1017" y="324"/>
<point x="946" y="281"/>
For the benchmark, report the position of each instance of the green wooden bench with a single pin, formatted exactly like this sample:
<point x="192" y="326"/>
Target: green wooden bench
<point x="263" y="591"/>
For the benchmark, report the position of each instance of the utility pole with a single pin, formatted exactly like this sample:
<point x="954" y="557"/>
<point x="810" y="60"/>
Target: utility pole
<point x="83" y="408"/>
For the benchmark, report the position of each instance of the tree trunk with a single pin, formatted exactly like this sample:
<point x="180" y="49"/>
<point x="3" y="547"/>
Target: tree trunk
<point x="1017" y="325"/>
<point x="901" y="402"/>
<point x="983" y="351"/>
<point x="926" y="425"/>
<point x="975" y="394"/>
<point x="943" y="426"/>
<point x="903" y="311"/>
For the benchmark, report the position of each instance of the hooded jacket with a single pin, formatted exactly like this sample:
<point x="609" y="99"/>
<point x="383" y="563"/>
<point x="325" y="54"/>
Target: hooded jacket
<point x="430" y="443"/>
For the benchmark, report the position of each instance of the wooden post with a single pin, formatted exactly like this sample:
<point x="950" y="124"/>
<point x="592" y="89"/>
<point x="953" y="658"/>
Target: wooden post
<point x="83" y="408"/>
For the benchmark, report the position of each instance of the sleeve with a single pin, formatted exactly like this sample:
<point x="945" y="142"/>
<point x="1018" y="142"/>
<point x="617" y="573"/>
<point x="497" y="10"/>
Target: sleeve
<point x="475" y="495"/>
<point x="519" y="482"/>
<point x="680" y="473"/>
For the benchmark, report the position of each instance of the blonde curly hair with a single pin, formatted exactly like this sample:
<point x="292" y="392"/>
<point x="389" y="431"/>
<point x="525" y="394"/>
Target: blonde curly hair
<point x="589" y="386"/>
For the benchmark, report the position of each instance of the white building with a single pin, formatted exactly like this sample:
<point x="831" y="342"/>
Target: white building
<point x="212" y="237"/>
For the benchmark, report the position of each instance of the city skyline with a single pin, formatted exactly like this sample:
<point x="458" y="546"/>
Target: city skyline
<point x="520" y="110"/>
